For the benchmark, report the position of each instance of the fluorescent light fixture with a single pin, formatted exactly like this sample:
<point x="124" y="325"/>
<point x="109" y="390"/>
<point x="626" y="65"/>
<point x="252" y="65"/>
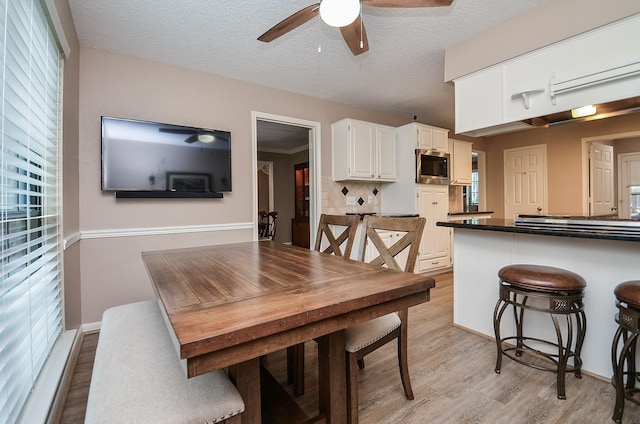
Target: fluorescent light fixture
<point x="339" y="13"/>
<point x="206" y="137"/>
<point x="583" y="111"/>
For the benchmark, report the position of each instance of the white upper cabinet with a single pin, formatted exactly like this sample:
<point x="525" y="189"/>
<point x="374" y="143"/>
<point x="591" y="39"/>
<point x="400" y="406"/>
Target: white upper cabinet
<point x="478" y="100"/>
<point x="599" y="66"/>
<point x="387" y="151"/>
<point x="426" y="137"/>
<point x="363" y="151"/>
<point x="461" y="156"/>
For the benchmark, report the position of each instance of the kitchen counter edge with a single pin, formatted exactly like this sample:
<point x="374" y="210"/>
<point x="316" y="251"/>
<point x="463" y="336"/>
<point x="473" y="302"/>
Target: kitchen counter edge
<point x="509" y="226"/>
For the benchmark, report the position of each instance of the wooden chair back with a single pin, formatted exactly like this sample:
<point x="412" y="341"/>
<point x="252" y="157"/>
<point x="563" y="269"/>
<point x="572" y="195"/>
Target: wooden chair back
<point x="267" y="224"/>
<point x="411" y="226"/>
<point x="348" y="234"/>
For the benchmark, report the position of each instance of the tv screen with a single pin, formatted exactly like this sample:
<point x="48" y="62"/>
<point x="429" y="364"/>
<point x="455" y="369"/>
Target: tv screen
<point x="150" y="156"/>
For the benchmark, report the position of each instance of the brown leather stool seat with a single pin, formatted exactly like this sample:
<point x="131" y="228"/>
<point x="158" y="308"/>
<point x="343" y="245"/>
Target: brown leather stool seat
<point x="623" y="349"/>
<point x="546" y="289"/>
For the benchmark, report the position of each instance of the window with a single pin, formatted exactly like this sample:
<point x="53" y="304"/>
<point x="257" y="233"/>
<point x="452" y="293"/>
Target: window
<point x="471" y="194"/>
<point x="634" y="193"/>
<point x="30" y="269"/>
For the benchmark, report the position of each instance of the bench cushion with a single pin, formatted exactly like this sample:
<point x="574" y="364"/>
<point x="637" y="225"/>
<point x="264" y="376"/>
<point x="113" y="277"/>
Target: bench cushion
<point x="138" y="377"/>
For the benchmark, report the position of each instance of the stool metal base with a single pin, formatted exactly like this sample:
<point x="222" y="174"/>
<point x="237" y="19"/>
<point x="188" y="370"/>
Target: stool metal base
<point x="625" y="375"/>
<point x="556" y="304"/>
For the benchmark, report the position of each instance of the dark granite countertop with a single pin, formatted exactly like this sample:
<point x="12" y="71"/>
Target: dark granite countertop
<point x="510" y="226"/>
<point x="469" y="213"/>
<point x="393" y="215"/>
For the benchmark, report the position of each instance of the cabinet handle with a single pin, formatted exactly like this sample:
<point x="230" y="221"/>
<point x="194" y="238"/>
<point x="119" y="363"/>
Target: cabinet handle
<point x="525" y="95"/>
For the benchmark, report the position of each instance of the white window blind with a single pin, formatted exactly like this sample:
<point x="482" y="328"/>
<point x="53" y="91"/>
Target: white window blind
<point x="30" y="273"/>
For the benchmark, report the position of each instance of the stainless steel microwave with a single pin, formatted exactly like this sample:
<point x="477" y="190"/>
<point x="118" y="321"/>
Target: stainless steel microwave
<point x="432" y="167"/>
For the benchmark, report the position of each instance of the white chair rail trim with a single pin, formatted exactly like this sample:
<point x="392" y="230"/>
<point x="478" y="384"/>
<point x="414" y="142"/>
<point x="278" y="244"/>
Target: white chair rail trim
<point x="153" y="231"/>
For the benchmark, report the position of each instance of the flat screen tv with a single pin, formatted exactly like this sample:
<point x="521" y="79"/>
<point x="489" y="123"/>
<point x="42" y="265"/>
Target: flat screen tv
<point x="150" y="157"/>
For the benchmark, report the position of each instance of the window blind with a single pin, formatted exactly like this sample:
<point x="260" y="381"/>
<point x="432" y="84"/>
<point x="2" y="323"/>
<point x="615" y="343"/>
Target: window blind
<point x="30" y="273"/>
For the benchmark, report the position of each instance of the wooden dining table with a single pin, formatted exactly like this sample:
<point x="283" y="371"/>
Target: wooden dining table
<point x="228" y="305"/>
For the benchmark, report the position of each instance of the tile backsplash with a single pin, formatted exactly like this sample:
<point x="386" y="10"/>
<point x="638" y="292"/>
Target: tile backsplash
<point x="335" y="195"/>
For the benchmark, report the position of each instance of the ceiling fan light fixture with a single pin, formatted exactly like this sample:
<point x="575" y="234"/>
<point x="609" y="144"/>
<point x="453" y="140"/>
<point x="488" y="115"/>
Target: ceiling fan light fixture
<point x="339" y="13"/>
<point x="205" y="137"/>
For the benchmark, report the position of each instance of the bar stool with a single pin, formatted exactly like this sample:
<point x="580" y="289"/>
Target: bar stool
<point x="546" y="289"/>
<point x="628" y="319"/>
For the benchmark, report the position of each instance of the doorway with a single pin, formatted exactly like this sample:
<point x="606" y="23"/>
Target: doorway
<point x="629" y="187"/>
<point x="271" y="138"/>
<point x="622" y="143"/>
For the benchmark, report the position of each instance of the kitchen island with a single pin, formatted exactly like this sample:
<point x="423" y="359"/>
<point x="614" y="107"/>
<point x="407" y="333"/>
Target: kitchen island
<point x="605" y="255"/>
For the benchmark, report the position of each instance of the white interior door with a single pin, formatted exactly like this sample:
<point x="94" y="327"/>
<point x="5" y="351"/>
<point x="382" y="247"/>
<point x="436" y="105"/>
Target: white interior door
<point x="629" y="183"/>
<point x="601" y="198"/>
<point x="525" y="176"/>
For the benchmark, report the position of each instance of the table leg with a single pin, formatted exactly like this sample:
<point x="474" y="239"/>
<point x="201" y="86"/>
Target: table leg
<point x="332" y="377"/>
<point x="246" y="377"/>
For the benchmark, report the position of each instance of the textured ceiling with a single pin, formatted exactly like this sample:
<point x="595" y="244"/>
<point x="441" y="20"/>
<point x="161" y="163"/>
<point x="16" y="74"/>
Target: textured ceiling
<point x="401" y="74"/>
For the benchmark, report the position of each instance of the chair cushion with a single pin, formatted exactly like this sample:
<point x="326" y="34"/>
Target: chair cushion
<point x="362" y="335"/>
<point x="138" y="377"/>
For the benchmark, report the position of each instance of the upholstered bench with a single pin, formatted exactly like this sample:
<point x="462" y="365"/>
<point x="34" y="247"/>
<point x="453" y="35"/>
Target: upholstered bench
<point x="138" y="377"/>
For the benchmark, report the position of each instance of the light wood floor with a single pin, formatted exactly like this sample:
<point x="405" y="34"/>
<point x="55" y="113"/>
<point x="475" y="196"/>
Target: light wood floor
<point x="452" y="377"/>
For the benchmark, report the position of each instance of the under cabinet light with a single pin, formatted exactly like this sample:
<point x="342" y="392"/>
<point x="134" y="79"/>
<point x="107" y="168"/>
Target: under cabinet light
<point x="583" y="111"/>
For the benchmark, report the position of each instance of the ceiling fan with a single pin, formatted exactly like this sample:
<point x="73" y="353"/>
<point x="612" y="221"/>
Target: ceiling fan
<point x="202" y="135"/>
<point x="352" y="31"/>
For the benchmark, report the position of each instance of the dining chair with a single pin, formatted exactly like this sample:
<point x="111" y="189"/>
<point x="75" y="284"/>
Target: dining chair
<point x="366" y="337"/>
<point x="326" y="242"/>
<point x="349" y="226"/>
<point x="267" y="224"/>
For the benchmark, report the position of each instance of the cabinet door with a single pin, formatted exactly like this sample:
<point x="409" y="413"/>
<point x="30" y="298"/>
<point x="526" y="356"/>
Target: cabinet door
<point x="435" y="245"/>
<point x="432" y="139"/>
<point x="461" y="152"/>
<point x="440" y="141"/>
<point x="441" y="235"/>
<point x="387" y="153"/>
<point x="425" y="138"/>
<point x="426" y="201"/>
<point x="362" y="151"/>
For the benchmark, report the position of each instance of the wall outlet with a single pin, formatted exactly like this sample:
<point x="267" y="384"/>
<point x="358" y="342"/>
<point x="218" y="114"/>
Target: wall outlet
<point x="351" y="200"/>
<point x="370" y="198"/>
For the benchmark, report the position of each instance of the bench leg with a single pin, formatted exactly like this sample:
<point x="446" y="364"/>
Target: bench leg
<point x="246" y="377"/>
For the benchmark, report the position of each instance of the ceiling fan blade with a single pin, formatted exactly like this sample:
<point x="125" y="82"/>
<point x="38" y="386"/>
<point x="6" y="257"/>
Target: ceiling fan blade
<point x="192" y="139"/>
<point x="407" y="3"/>
<point x="290" y="23"/>
<point x="177" y="130"/>
<point x="351" y="34"/>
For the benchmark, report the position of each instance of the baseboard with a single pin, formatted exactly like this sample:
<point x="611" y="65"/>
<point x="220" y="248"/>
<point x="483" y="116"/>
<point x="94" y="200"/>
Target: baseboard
<point x="439" y="271"/>
<point x="91" y="327"/>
